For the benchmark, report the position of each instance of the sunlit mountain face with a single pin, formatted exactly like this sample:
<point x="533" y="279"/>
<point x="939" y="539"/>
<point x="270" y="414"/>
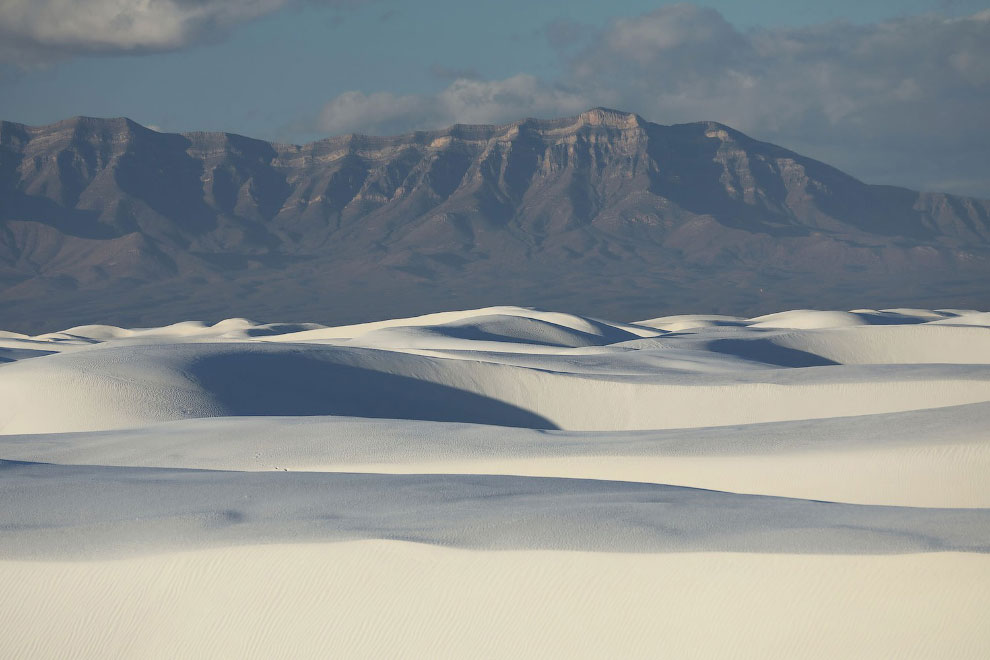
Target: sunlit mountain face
<point x="603" y="213"/>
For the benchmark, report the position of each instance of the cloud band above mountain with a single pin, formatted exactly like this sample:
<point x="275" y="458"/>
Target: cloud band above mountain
<point x="464" y="101"/>
<point x="893" y="91"/>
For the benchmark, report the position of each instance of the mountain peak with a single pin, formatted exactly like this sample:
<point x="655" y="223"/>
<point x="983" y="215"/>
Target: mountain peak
<point x="611" y="118"/>
<point x="89" y="128"/>
<point x="84" y="121"/>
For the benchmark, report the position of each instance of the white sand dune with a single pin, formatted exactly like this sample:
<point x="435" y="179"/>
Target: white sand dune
<point x="384" y="599"/>
<point x="86" y="511"/>
<point x="695" y="486"/>
<point x="107" y="386"/>
<point x="929" y="458"/>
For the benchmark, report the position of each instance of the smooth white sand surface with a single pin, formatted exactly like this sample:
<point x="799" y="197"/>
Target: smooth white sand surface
<point x="501" y="482"/>
<point x="384" y="599"/>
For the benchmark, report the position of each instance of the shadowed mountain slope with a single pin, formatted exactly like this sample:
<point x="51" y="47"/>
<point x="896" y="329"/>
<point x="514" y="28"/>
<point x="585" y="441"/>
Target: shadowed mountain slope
<point x="603" y="213"/>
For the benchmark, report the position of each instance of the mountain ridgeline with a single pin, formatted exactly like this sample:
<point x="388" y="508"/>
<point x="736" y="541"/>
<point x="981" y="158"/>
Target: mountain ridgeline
<point x="104" y="220"/>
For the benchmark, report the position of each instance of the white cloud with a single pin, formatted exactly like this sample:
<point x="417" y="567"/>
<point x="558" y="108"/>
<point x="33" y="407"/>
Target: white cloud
<point x="483" y="102"/>
<point x="378" y="113"/>
<point x="121" y="25"/>
<point x="44" y="30"/>
<point x="465" y="100"/>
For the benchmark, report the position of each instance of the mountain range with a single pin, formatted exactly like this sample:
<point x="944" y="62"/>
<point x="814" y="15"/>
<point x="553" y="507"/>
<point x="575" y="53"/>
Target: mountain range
<point x="605" y="213"/>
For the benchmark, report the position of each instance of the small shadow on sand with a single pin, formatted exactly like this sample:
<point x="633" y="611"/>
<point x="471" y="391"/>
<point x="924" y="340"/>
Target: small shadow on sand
<point x="764" y="350"/>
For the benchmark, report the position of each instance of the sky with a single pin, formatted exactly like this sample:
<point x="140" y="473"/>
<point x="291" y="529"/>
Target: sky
<point x="891" y="91"/>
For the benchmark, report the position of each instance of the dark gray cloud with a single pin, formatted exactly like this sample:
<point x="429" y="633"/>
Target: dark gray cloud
<point x="875" y="98"/>
<point x="902" y="101"/>
<point x="875" y="81"/>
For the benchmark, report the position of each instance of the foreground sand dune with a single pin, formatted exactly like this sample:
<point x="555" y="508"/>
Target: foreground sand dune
<point x="806" y="483"/>
<point x="375" y="599"/>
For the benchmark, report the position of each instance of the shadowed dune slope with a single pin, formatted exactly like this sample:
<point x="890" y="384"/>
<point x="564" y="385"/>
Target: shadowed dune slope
<point x="502" y="366"/>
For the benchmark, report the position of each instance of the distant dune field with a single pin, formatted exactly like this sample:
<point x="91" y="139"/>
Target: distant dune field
<point x="500" y="482"/>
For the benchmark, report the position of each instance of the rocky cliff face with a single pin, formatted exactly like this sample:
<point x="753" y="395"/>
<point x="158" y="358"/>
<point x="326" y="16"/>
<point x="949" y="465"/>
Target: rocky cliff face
<point x="105" y="220"/>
